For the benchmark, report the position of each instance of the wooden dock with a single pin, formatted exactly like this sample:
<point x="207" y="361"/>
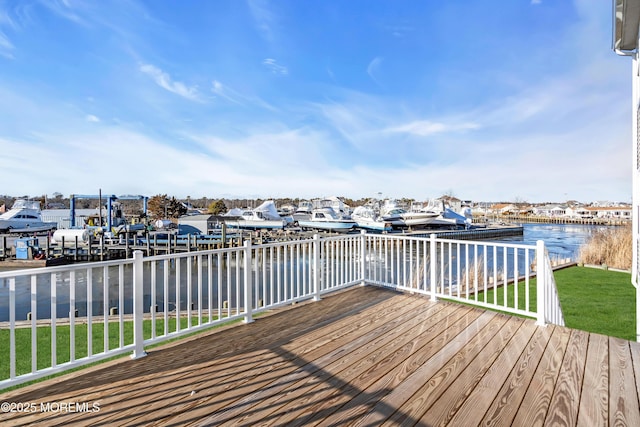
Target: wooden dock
<point x="365" y="356"/>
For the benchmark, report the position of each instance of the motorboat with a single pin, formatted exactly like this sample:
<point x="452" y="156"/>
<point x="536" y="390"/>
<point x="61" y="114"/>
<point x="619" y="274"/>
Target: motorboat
<point x="263" y="217"/>
<point x="430" y="216"/>
<point x="366" y="218"/>
<point x="303" y="211"/>
<point x="403" y="218"/>
<point x="327" y="219"/>
<point x="333" y="202"/>
<point x="25" y="217"/>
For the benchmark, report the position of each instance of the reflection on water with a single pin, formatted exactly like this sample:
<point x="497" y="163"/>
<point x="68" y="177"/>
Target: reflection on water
<point x="561" y="240"/>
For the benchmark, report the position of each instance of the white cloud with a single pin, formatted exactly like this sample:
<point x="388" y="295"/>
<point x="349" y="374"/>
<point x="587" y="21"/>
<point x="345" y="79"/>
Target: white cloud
<point x="264" y="17"/>
<point x="275" y="68"/>
<point x="373" y="67"/>
<point x="426" y="127"/>
<point x="6" y="47"/>
<point x="66" y="10"/>
<point x="92" y="119"/>
<point x="164" y="80"/>
<point x="225" y="92"/>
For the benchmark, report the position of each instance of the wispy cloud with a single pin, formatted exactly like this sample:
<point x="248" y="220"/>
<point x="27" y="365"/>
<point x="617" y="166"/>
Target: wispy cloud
<point x="372" y="69"/>
<point x="427" y="127"/>
<point x="67" y="10"/>
<point x="6" y="47"/>
<point x="274" y="67"/>
<point x="231" y="95"/>
<point x="225" y="92"/>
<point x="400" y="30"/>
<point x="164" y="80"/>
<point x="264" y="18"/>
<point x="92" y="119"/>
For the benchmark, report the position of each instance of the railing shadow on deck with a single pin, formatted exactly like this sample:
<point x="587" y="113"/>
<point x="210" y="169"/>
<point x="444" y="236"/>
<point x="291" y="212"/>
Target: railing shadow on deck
<point x="198" y="367"/>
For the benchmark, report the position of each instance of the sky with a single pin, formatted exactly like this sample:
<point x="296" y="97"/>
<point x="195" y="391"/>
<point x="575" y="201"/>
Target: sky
<point x="486" y="100"/>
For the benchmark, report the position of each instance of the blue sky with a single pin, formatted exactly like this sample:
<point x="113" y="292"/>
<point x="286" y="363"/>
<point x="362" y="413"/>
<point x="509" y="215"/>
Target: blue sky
<point x="488" y="100"/>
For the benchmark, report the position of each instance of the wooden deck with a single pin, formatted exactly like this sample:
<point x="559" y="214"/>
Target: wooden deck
<point x="366" y="356"/>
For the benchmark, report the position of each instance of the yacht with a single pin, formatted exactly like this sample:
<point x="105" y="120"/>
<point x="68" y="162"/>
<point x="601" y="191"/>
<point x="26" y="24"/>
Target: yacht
<point x="366" y="218"/>
<point x="263" y="217"/>
<point x="327" y="219"/>
<point x="23" y="217"/>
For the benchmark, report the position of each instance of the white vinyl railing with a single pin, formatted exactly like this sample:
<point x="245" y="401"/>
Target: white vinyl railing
<point x="56" y="318"/>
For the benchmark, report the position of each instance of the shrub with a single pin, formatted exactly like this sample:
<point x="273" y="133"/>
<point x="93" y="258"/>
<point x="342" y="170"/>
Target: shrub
<point x="611" y="246"/>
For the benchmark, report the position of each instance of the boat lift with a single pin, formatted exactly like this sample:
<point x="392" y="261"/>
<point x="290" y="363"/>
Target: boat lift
<point x="110" y="199"/>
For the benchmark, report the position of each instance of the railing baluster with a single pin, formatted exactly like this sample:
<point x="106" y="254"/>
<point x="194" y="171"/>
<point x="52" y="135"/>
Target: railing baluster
<point x="34" y="317"/>
<point x="166" y="296"/>
<point x="72" y="315"/>
<point x="105" y="307"/>
<point x="89" y="273"/>
<point x="154" y="296"/>
<point x="54" y="315"/>
<point x="12" y="327"/>
<point x="178" y="295"/>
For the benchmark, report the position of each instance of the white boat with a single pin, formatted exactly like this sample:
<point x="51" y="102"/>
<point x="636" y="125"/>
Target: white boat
<point x="327" y="219"/>
<point x="430" y="216"/>
<point x="263" y="217"/>
<point x="365" y="217"/>
<point x="334" y="203"/>
<point x="402" y="218"/>
<point x="24" y="217"/>
<point x="303" y="211"/>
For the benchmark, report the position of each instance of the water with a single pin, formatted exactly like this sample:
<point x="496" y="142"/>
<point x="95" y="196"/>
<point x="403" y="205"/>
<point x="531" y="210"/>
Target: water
<point x="561" y="240"/>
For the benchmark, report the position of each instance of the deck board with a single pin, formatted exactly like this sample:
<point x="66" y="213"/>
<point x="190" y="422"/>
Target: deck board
<point x="365" y="356"/>
<point x="622" y="409"/>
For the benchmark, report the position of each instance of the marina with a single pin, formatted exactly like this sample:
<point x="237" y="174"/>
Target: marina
<point x="87" y="249"/>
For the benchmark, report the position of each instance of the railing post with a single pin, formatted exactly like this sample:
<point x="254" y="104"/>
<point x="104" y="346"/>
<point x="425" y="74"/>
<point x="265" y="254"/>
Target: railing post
<point x="541" y="282"/>
<point x="363" y="253"/>
<point x="138" y="307"/>
<point x="433" y="255"/>
<point x="316" y="266"/>
<point x="248" y="283"/>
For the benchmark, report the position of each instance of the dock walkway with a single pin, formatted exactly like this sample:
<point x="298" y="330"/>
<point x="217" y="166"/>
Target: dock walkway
<point x="365" y="356"/>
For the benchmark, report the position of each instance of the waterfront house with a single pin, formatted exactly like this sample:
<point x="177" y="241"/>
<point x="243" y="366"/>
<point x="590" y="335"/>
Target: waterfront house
<point x="626" y="43"/>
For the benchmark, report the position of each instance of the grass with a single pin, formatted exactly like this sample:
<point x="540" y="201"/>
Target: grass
<point x="598" y="301"/>
<point x="63" y="341"/>
<point x="592" y="300"/>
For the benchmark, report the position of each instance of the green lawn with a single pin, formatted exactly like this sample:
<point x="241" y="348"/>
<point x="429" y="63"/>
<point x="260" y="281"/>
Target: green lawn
<point x="63" y="340"/>
<point x="593" y="300"/>
<point x="598" y="301"/>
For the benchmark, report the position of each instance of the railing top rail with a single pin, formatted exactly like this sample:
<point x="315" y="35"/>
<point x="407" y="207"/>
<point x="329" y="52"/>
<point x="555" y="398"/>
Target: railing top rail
<point x="457" y="241"/>
<point x="63" y="268"/>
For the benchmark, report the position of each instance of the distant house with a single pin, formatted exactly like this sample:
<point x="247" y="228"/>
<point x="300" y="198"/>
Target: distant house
<point x="579" y="212"/>
<point x="550" y="210"/>
<point x="613" y="212"/>
<point x="453" y="202"/>
<point x="504" y="209"/>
